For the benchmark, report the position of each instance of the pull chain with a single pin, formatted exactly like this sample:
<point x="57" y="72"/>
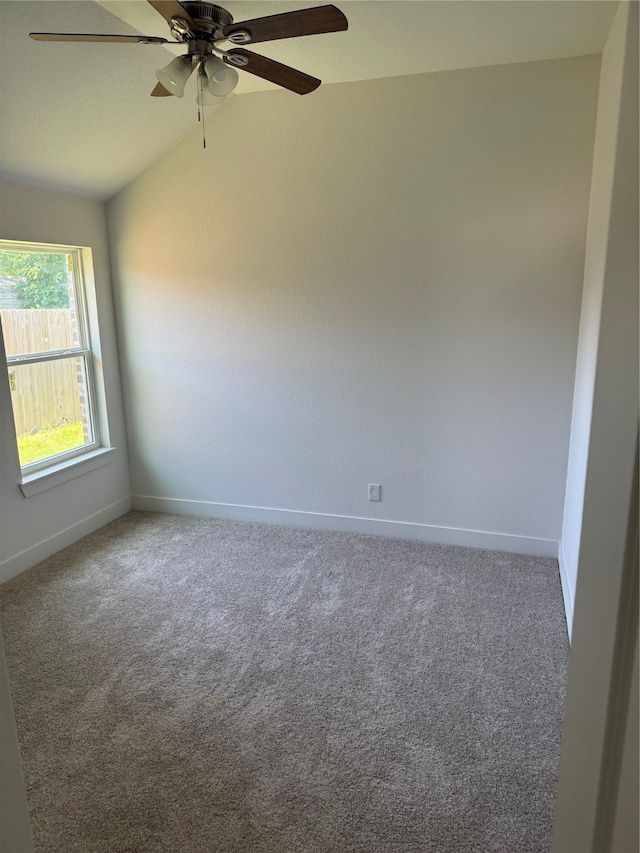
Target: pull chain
<point x="200" y="100"/>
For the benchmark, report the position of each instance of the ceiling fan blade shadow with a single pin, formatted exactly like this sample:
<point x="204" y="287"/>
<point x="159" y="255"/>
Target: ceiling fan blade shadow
<point x="98" y="37"/>
<point x="161" y="92"/>
<point x="276" y="72"/>
<point x="172" y="9"/>
<point x="305" y="22"/>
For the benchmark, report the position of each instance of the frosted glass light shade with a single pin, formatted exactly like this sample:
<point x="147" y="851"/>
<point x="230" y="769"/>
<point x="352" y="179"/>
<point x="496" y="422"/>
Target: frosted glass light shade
<point x="222" y="79"/>
<point x="174" y="75"/>
<point x="206" y="99"/>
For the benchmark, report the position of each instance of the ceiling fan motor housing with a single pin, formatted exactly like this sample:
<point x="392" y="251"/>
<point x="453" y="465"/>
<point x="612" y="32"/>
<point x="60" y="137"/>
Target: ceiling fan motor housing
<point x="208" y="17"/>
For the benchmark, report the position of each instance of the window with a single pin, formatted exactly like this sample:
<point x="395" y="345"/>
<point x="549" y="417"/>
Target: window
<point x="43" y="309"/>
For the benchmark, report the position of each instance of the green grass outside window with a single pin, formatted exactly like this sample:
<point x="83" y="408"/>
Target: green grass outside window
<point x="48" y="442"/>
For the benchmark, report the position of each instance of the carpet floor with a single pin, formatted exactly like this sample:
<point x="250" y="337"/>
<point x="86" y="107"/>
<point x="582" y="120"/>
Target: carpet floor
<point x="188" y="685"/>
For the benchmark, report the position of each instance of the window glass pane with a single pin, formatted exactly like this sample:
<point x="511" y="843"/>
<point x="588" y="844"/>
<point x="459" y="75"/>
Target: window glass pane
<point x="37" y="302"/>
<point x="50" y="407"/>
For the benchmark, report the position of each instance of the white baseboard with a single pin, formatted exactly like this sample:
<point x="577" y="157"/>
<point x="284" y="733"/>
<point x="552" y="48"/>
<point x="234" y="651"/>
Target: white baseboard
<point x="352" y="524"/>
<point x="24" y="560"/>
<point x="567" y="591"/>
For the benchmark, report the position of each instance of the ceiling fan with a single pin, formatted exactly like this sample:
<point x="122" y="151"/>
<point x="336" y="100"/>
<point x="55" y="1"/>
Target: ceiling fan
<point x="201" y="26"/>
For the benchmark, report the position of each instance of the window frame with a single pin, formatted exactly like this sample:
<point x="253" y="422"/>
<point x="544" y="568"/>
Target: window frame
<point x="52" y="470"/>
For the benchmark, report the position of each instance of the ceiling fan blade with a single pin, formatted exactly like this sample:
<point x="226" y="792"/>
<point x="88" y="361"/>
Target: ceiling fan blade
<point x="172" y="9"/>
<point x="96" y="37"/>
<point x="306" y="22"/>
<point x="274" y="71"/>
<point x="161" y="92"/>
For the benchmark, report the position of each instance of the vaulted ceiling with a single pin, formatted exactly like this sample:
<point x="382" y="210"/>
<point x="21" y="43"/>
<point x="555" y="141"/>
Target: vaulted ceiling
<point x="79" y="116"/>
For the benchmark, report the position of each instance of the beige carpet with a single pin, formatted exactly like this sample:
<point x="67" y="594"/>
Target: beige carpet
<point x="199" y="686"/>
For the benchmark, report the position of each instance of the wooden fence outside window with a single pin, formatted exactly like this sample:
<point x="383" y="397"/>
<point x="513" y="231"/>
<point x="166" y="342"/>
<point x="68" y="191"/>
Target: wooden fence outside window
<point x="46" y="394"/>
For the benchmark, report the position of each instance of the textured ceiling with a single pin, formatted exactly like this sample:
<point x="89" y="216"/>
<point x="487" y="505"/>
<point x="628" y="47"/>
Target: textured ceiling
<point x="79" y="116"/>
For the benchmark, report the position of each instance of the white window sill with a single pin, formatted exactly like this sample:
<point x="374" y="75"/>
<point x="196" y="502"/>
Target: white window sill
<point x="55" y="475"/>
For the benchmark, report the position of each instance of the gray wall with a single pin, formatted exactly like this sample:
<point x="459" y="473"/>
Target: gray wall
<point x="35" y="527"/>
<point x="379" y="282"/>
<point x="625" y="834"/>
<point x="15" y="826"/>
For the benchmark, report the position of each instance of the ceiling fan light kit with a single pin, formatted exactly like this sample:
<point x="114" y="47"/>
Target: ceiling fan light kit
<point x="175" y="75"/>
<point x="205" y="97"/>
<point x="222" y="80"/>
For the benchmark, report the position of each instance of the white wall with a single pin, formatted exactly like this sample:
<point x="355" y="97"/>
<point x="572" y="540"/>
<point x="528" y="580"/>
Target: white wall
<point x="595" y="267"/>
<point x="35" y="527"/>
<point x="599" y="700"/>
<point x="378" y="282"/>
